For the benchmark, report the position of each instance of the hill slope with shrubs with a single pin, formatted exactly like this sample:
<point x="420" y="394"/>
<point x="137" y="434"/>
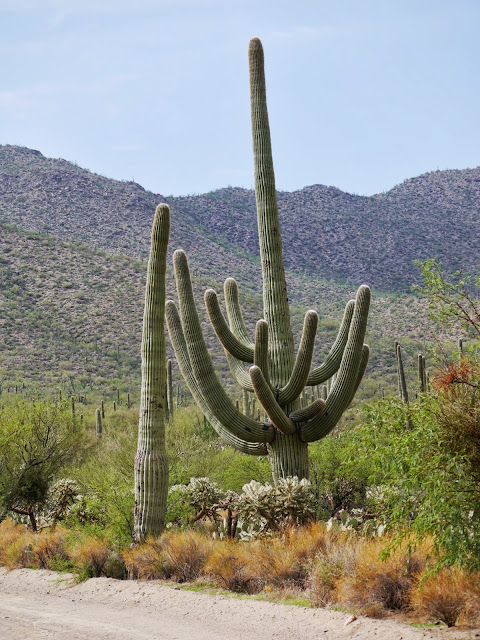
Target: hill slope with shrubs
<point x="72" y="315"/>
<point x="327" y="234"/>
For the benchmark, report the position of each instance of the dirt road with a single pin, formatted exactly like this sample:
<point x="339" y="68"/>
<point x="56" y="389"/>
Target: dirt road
<point x="44" y="605"/>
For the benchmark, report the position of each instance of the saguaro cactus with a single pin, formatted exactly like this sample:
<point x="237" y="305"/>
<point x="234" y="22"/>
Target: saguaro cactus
<point x="275" y="375"/>
<point x="151" y="466"/>
<point x="98" y="423"/>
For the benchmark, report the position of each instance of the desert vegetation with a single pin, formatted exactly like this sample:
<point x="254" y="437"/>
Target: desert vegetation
<point x="380" y="513"/>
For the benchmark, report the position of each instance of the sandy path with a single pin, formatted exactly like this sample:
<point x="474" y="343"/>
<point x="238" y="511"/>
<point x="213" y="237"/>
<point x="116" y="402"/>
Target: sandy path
<point x="42" y="604"/>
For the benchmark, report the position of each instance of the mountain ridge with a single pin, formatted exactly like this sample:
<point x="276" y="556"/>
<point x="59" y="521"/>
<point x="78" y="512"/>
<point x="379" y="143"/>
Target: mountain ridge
<point x="327" y="234"/>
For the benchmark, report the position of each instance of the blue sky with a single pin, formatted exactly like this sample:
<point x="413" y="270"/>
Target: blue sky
<point x="362" y="94"/>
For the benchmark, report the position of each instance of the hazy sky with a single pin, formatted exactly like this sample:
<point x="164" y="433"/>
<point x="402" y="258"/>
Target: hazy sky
<point x="362" y="94"/>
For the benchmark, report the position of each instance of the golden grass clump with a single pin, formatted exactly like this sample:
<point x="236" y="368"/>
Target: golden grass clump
<point x="49" y="549"/>
<point x="276" y="562"/>
<point x="90" y="556"/>
<point x="144" y="561"/>
<point x="378" y="584"/>
<point x="334" y="562"/>
<point x="184" y="554"/>
<point x="308" y="541"/>
<point x="16" y="544"/>
<point x="450" y="595"/>
<point x="232" y="566"/>
<point x="15" y="541"/>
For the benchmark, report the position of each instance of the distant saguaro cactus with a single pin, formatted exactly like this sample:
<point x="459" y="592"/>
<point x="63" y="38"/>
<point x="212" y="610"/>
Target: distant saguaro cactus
<point x="151" y="466"/>
<point x="98" y="423"/>
<point x="275" y="375"/>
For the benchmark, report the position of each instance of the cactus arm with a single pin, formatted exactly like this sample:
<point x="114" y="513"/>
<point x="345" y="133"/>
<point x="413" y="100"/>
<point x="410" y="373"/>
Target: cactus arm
<point x="266" y="398"/>
<point x="234" y="312"/>
<point x="202" y="367"/>
<point x="275" y="301"/>
<point x="260" y="356"/>
<point x="346" y="381"/>
<point x="227" y="338"/>
<point x="332" y="361"/>
<point x="238" y="372"/>
<point x="361" y="371"/>
<point x="179" y="344"/>
<point x="326" y="427"/>
<point x="308" y="412"/>
<point x="151" y="465"/>
<point x="301" y="369"/>
<point x="170" y="408"/>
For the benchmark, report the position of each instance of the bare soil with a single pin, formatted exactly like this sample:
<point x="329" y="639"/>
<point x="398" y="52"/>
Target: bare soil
<point x="47" y="605"/>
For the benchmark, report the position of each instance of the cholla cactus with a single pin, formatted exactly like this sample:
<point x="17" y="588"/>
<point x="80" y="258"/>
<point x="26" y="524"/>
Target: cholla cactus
<point x="275" y="375"/>
<point x="264" y="508"/>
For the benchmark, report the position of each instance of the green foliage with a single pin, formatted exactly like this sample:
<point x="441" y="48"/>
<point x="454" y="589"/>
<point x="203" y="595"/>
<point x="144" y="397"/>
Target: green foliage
<point x="339" y="476"/>
<point x="452" y="302"/>
<point x="37" y="441"/>
<point x="427" y="477"/>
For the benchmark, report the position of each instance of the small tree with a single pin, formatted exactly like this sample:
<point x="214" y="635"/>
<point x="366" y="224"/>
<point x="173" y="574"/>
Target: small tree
<point x="453" y="302"/>
<point x="36" y="442"/>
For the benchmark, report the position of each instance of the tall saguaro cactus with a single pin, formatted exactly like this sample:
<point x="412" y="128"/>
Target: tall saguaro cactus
<point x="151" y="465"/>
<point x="275" y="374"/>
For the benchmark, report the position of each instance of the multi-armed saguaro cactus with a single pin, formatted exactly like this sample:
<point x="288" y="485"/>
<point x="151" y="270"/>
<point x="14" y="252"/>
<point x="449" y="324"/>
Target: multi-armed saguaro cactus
<point x="275" y="375"/>
<point x="151" y="466"/>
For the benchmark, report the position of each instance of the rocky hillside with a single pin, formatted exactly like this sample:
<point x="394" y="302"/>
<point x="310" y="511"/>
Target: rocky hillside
<point x="328" y="234"/>
<point x="70" y="318"/>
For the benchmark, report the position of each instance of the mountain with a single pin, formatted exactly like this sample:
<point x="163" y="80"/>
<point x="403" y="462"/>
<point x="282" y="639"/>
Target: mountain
<point x="327" y="234"/>
<point x="71" y="318"/>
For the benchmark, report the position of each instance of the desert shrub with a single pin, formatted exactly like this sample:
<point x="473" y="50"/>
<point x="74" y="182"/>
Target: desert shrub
<point x="90" y="555"/>
<point x="308" y="541"/>
<point x="424" y="484"/>
<point x="276" y="563"/>
<point x="15" y="545"/>
<point x="37" y="441"/>
<point x="333" y="562"/>
<point x="382" y="582"/>
<point x="144" y="561"/>
<point x="49" y="548"/>
<point x="230" y="566"/>
<point x="339" y="476"/>
<point x="184" y="553"/>
<point x="448" y="595"/>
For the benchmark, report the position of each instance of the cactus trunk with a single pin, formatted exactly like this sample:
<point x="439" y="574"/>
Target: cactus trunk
<point x="151" y="466"/>
<point x="288" y="457"/>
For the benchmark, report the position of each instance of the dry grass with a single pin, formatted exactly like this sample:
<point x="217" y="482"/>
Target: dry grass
<point x="377" y="584"/>
<point x="90" y="556"/>
<point x="230" y="566"/>
<point x="335" y="562"/>
<point x="144" y="561"/>
<point x="184" y="554"/>
<point x="15" y="545"/>
<point x="451" y="595"/>
<point x="326" y="567"/>
<point x="49" y="549"/>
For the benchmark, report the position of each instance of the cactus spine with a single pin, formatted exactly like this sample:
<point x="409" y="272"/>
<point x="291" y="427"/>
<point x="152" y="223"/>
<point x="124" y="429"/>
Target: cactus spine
<point x="151" y="466"/>
<point x="276" y="375"/>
